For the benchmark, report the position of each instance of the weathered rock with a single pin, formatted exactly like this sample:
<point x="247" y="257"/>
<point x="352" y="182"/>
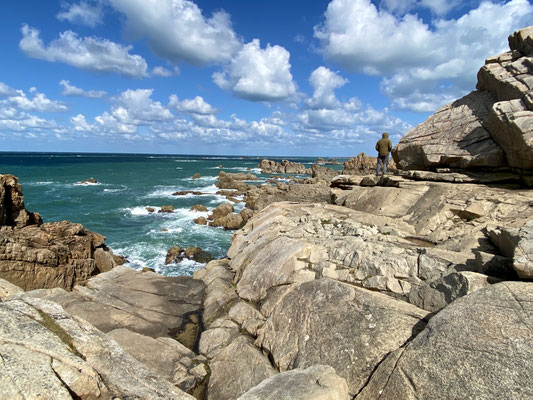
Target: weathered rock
<point x="47" y="353"/>
<point x="150" y="209"/>
<point x="59" y="254"/>
<point x="489" y="128"/>
<point x="221" y="211"/>
<point x="480" y="346"/>
<point x="143" y="302"/>
<point x="166" y="209"/>
<point x="242" y="359"/>
<point x="357" y="327"/>
<point x="259" y="198"/>
<point x="199" y="208"/>
<point x="172" y="253"/>
<point x="231" y="221"/>
<point x="319" y="382"/>
<point x="196" y="176"/>
<point x="8" y="290"/>
<point x="234" y="181"/>
<point x="165" y="357"/>
<point x="283" y="167"/>
<point x="187" y="192"/>
<point x="516" y="244"/>
<point x="200" y="221"/>
<point x="362" y="164"/>
<point x="323" y="173"/>
<point x="246" y="214"/>
<point x="198" y="255"/>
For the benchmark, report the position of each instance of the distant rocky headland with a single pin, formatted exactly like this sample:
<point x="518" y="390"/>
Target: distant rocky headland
<point x="338" y="284"/>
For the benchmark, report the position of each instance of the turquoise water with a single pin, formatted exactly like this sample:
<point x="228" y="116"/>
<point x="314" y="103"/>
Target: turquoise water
<point x="116" y="206"/>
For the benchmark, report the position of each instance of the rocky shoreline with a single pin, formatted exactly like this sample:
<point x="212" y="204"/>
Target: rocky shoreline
<point x="416" y="285"/>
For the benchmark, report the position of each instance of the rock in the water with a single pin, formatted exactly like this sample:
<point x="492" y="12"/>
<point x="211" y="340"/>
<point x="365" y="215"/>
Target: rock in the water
<point x="283" y="167"/>
<point x="173" y="253"/>
<point x="199" y="207"/>
<point x="200" y="221"/>
<point x="221" y="211"/>
<point x="166" y="209"/>
<point x="231" y="221"/>
<point x="478" y="347"/>
<point x="319" y="382"/>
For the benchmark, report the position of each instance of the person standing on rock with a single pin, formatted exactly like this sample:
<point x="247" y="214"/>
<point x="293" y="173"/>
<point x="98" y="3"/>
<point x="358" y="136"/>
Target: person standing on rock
<point x="383" y="147"/>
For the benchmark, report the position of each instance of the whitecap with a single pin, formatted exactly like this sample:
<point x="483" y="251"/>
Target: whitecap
<point x="141" y="210"/>
<point x="202" y="179"/>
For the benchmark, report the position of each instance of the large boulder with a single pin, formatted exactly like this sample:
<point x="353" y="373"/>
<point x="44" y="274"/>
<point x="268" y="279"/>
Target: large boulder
<point x="356" y="326"/>
<point x="479" y="347"/>
<point x="47" y="353"/>
<point x="488" y="128"/>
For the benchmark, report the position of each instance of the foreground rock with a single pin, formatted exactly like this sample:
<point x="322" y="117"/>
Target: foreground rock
<point x="318" y="382"/>
<point x="489" y="128"/>
<point x="48" y="353"/>
<point x="36" y="255"/>
<point x="143" y="302"/>
<point x="478" y="347"/>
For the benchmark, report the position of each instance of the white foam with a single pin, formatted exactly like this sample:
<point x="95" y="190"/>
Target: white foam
<point x="202" y="179"/>
<point x="141" y="210"/>
<point x="186" y="160"/>
<point x="86" y="183"/>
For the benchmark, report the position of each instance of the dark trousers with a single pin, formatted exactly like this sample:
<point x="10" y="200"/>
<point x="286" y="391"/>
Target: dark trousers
<point x="382" y="161"/>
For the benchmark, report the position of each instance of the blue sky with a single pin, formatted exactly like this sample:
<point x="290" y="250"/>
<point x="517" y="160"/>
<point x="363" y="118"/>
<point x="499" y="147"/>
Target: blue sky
<point x="294" y="78"/>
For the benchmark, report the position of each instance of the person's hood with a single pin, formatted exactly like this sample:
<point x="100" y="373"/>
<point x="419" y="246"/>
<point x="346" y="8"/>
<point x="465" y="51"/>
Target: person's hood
<point x="385" y="135"/>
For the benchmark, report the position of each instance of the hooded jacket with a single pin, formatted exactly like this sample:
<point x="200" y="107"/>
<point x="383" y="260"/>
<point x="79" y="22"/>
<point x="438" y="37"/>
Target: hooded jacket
<point x="384" y="145"/>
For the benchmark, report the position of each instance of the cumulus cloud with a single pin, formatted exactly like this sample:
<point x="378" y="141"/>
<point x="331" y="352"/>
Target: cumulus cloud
<point x="258" y="74"/>
<point x="437" y="7"/>
<point x="177" y="31"/>
<point x="417" y="61"/>
<point x="88" y="53"/>
<point x="162" y="72"/>
<point x="39" y="102"/>
<point x="324" y="82"/>
<point x="6" y="90"/>
<point x="71" y="90"/>
<point x="193" y="106"/>
<point x="83" y="13"/>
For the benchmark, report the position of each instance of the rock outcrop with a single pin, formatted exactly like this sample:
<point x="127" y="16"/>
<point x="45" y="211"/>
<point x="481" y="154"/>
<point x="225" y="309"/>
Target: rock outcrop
<point x="362" y="164"/>
<point x="45" y="255"/>
<point x="490" y="128"/>
<point x="50" y="354"/>
<point x="283" y="167"/>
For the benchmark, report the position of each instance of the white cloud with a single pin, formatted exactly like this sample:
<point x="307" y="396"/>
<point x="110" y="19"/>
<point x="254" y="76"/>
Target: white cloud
<point x="420" y="63"/>
<point x="39" y="102"/>
<point x="88" y="53"/>
<point x="82" y="13"/>
<point x="6" y="90"/>
<point x="324" y="82"/>
<point x="194" y="106"/>
<point x="258" y="75"/>
<point x="71" y="90"/>
<point x="177" y="31"/>
<point x="162" y="72"/>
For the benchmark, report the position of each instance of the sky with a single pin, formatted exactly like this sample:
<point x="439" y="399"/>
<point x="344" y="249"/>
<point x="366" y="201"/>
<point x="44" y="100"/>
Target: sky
<point x="238" y="77"/>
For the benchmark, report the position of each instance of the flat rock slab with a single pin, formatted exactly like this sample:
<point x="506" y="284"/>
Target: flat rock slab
<point x="143" y="302"/>
<point x="332" y="323"/>
<point x="319" y="382"/>
<point x="479" y="347"/>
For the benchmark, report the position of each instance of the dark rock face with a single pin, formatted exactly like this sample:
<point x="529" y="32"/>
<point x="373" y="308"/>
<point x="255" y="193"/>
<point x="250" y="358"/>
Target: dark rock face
<point x="488" y="128"/>
<point x="35" y="255"/>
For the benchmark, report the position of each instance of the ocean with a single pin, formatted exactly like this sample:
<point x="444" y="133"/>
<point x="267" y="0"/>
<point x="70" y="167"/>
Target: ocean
<point x="126" y="185"/>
